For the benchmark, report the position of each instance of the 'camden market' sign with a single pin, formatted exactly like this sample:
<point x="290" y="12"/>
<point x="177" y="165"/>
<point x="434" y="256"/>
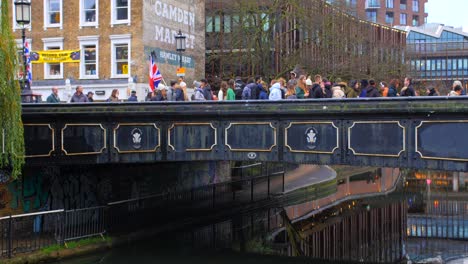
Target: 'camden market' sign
<point x="55" y="56"/>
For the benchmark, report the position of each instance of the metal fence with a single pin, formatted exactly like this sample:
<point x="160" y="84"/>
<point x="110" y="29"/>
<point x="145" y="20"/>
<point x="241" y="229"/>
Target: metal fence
<point x="31" y="232"/>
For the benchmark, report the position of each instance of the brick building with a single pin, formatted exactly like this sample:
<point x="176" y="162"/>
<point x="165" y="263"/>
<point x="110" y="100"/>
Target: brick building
<point x="391" y="12"/>
<point x="115" y="38"/>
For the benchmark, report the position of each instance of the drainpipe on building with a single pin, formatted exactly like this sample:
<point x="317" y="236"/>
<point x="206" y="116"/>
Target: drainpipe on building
<point x="68" y="91"/>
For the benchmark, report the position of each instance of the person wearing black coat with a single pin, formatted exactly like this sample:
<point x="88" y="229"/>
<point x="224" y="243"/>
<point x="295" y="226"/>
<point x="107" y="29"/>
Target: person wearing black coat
<point x="372" y="91"/>
<point x="316" y="91"/>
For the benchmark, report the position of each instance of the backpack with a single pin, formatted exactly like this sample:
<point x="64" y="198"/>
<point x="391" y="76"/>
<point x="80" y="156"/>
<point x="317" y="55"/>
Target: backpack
<point x="238" y="89"/>
<point x="246" y="93"/>
<point x="254" y="93"/>
<point x="363" y="93"/>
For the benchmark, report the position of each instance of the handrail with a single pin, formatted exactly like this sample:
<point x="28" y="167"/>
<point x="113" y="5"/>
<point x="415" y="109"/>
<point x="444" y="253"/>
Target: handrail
<point x="38" y="213"/>
<point x="247" y="166"/>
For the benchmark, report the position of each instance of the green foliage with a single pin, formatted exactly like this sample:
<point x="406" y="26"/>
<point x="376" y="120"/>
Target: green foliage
<point x="76" y="244"/>
<point x="10" y="99"/>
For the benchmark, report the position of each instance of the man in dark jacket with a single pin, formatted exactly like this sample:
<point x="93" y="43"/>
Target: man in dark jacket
<point x="409" y="91"/>
<point x="372" y="90"/>
<point x="256" y="90"/>
<point x="78" y="96"/>
<point x="133" y="97"/>
<point x="53" y="97"/>
<point x="206" y="90"/>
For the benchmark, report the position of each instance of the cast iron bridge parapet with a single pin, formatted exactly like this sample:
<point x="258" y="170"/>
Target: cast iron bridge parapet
<point x="423" y="133"/>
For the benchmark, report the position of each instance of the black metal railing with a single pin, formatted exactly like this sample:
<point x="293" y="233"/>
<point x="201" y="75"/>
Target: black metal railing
<point x="34" y="231"/>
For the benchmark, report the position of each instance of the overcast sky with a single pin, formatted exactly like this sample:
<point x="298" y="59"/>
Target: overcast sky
<point x="449" y="12"/>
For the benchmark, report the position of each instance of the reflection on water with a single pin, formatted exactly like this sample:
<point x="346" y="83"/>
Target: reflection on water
<point x="368" y="219"/>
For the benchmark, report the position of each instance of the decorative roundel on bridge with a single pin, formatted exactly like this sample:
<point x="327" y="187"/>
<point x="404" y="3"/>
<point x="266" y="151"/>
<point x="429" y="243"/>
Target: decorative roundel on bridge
<point x="136" y="136"/>
<point x="311" y="135"/>
<point x="252" y="155"/>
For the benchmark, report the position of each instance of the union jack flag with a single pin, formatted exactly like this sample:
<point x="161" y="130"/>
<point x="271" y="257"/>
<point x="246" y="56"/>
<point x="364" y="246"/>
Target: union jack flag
<point x="27" y="54"/>
<point x="155" y="76"/>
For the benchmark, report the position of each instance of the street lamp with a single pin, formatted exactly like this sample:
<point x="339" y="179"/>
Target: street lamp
<point x="23" y="17"/>
<point x="180" y="45"/>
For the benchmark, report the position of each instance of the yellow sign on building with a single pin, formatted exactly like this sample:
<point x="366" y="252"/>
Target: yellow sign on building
<point x="55" y="56"/>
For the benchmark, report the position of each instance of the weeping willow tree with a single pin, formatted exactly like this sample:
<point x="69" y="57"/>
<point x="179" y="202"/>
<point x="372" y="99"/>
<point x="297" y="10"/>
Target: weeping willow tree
<point x="11" y="132"/>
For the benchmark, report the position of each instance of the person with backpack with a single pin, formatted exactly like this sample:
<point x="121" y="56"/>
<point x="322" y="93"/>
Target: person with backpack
<point x="393" y="88"/>
<point x="247" y="92"/>
<point x="364" y="85"/>
<point x="372" y="90"/>
<point x="238" y="88"/>
<point x="206" y="90"/>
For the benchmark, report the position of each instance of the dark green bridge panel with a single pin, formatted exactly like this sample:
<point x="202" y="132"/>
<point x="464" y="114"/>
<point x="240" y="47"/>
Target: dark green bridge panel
<point x="193" y="141"/>
<point x="309" y="141"/>
<point x="251" y="140"/>
<point x="39" y="140"/>
<point x="137" y="138"/>
<point x="312" y="137"/>
<point x="452" y="135"/>
<point x="377" y="138"/>
<point x="83" y="139"/>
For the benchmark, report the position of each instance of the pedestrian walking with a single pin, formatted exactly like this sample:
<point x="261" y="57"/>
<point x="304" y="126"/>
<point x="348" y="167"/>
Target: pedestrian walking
<point x="53" y="97"/>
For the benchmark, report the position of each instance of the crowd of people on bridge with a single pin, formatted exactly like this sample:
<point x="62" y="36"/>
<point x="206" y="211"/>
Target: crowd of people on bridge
<point x="297" y="87"/>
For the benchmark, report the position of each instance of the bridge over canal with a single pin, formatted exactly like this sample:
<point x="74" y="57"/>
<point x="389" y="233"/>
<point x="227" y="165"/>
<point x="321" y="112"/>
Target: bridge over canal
<point x="429" y="133"/>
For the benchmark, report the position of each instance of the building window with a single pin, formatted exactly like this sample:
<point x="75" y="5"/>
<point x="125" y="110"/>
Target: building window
<point x="52" y="13"/>
<point x="416" y="6"/>
<point x="390" y="3"/>
<point x="351" y="3"/>
<point x="89" y="63"/>
<point x="89" y="10"/>
<point x="402" y="19"/>
<point x="389" y="18"/>
<point x="227" y="23"/>
<point x="121" y="51"/>
<point x="120" y="13"/>
<point x="217" y="24"/>
<point x="415" y="21"/>
<point x="209" y="24"/>
<point x="372" y="3"/>
<point x="371" y="16"/>
<point x="403" y="4"/>
<point x="53" y="70"/>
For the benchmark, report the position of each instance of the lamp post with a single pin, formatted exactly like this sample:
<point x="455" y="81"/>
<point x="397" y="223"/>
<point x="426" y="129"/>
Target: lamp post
<point x="23" y="17"/>
<point x="180" y="45"/>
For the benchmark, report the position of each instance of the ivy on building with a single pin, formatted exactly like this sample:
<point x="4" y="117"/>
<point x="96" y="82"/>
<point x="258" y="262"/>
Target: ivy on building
<point x="11" y="126"/>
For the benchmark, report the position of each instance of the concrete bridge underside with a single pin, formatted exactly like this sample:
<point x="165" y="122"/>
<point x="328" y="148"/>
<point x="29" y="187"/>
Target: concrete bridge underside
<point x="423" y="133"/>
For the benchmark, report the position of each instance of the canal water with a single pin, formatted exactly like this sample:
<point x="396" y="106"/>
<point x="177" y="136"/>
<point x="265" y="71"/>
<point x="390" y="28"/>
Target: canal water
<point x="374" y="217"/>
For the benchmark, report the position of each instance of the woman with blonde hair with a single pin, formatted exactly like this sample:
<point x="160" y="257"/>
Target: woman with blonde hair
<point x="183" y="86"/>
<point x="301" y="88"/>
